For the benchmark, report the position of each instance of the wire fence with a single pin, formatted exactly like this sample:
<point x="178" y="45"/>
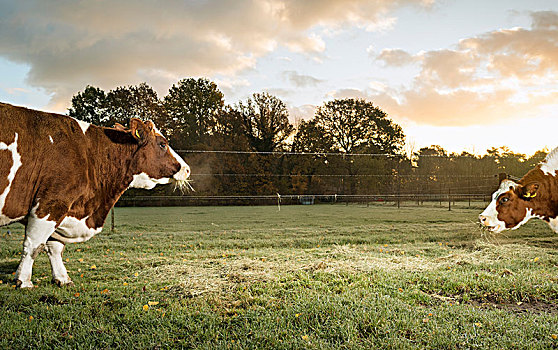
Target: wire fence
<point x="378" y="178"/>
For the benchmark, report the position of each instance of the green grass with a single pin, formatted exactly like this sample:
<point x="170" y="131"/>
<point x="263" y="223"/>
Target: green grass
<point x="321" y="277"/>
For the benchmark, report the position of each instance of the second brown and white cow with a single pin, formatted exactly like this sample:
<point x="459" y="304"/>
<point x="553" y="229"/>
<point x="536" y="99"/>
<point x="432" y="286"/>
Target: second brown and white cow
<point x="535" y="195"/>
<point x="60" y="177"/>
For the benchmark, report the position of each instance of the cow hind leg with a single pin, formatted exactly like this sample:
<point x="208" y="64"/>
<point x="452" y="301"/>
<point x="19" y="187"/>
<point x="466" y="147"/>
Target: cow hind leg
<point x="60" y="276"/>
<point x="37" y="232"/>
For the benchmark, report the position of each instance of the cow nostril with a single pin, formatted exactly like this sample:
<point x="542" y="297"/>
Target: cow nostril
<point x="482" y="218"/>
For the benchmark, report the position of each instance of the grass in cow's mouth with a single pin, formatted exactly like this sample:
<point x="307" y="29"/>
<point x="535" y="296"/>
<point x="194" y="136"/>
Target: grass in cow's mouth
<point x="183" y="186"/>
<point x="321" y="276"/>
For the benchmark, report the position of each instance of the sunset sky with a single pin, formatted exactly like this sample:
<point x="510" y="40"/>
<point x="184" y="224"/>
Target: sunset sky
<point x="463" y="74"/>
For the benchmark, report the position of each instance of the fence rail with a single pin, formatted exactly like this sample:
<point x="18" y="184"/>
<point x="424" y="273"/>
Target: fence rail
<point x="292" y="199"/>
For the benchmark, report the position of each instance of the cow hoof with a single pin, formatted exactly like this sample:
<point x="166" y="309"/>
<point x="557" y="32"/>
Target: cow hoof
<point x="24" y="284"/>
<point x="60" y="283"/>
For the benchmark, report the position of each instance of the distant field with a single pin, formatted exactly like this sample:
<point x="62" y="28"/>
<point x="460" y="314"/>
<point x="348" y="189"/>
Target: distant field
<point x="322" y="277"/>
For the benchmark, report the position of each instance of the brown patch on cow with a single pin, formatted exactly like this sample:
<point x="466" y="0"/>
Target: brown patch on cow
<point x="37" y="251"/>
<point x="511" y="208"/>
<point x="6" y="163"/>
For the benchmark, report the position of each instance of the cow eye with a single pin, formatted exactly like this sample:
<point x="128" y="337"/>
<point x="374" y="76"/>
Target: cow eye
<point x="504" y="199"/>
<point x="163" y="145"/>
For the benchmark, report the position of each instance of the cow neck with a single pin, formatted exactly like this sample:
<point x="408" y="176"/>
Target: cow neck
<point x="115" y="151"/>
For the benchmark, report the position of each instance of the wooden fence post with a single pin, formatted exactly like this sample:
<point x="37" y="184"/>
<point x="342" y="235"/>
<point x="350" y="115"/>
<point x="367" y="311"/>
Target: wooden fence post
<point x="398" y="184"/>
<point x="112" y="220"/>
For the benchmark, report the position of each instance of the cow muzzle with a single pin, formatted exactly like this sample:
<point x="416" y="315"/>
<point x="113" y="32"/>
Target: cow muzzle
<point x="183" y="174"/>
<point x="181" y="179"/>
<point x="494" y="227"/>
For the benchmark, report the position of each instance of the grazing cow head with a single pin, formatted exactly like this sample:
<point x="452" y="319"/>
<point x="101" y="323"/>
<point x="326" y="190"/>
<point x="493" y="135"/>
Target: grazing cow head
<point x="511" y="206"/>
<point x="155" y="162"/>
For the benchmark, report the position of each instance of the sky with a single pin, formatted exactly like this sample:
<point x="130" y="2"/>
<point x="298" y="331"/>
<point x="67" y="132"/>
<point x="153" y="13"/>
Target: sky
<point x="467" y="75"/>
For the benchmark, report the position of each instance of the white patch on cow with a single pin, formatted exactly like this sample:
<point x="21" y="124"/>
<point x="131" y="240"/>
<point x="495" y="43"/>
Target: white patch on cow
<point x="50" y="138"/>
<point x="489" y="217"/>
<point x="144" y="181"/>
<point x="54" y="250"/>
<point x="528" y="216"/>
<point x="184" y="172"/>
<point x="83" y="125"/>
<point x="37" y="231"/>
<point x="549" y="165"/>
<point x="16" y="164"/>
<point x="73" y="230"/>
<point x="505" y="186"/>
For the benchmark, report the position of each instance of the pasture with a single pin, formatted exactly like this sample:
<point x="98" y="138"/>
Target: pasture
<point x="318" y="277"/>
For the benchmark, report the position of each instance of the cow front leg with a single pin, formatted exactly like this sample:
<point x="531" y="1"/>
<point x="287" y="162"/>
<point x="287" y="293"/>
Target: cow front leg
<point x="37" y="232"/>
<point x="60" y="276"/>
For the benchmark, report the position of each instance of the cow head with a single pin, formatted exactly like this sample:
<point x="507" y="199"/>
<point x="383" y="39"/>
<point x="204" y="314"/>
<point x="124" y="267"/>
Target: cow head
<point x="155" y="162"/>
<point x="511" y="206"/>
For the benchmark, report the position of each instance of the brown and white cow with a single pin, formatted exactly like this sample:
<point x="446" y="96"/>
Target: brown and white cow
<point x="535" y="195"/>
<point x="60" y="177"/>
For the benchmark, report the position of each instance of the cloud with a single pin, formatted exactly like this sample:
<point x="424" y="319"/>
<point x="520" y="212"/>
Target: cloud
<point x="69" y="45"/>
<point x="545" y="20"/>
<point x="456" y="108"/>
<point x="497" y="76"/>
<point x="14" y="91"/>
<point x="300" y="80"/>
<point x="366" y="14"/>
<point x="304" y="112"/>
<point x="348" y="93"/>
<point x="395" y="57"/>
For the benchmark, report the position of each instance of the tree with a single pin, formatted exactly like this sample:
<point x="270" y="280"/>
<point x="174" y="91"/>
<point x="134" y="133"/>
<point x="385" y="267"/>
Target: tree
<point x="135" y="101"/>
<point x="309" y="138"/>
<point x="433" y="165"/>
<point x="507" y="161"/>
<point x="356" y="125"/>
<point x="260" y="124"/>
<point x="265" y="122"/>
<point x="90" y="106"/>
<point x="229" y="131"/>
<point x="95" y="106"/>
<point x="193" y="106"/>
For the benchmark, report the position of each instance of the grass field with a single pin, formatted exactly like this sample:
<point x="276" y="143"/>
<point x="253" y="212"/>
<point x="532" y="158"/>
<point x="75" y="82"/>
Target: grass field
<point x="322" y="276"/>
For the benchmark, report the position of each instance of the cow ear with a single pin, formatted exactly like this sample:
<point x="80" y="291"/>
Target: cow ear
<point x="149" y="125"/>
<point x="529" y="191"/>
<point x="139" y="130"/>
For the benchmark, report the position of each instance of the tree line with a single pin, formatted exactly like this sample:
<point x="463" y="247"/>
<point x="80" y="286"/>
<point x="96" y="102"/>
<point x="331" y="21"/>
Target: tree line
<point x="349" y="147"/>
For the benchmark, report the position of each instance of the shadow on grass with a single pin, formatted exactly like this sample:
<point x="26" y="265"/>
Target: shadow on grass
<point x="7" y="269"/>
